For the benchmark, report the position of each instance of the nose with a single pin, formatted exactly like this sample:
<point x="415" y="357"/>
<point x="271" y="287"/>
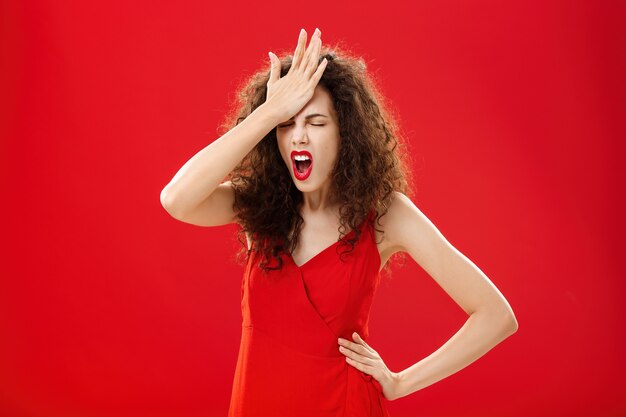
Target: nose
<point x="299" y="135"/>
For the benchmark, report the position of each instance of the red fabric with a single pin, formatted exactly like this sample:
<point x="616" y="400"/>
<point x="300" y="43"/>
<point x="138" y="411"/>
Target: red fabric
<point x="289" y="361"/>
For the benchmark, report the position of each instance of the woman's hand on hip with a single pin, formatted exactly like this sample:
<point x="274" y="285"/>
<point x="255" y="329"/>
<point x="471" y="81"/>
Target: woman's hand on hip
<point x="364" y="358"/>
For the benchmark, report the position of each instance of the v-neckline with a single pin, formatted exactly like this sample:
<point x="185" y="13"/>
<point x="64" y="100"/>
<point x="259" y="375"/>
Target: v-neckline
<point x="318" y="254"/>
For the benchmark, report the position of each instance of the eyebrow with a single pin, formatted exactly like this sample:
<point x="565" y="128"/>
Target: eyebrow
<point x="310" y="116"/>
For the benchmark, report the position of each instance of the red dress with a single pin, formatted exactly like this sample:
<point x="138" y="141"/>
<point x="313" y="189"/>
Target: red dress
<point x="289" y="362"/>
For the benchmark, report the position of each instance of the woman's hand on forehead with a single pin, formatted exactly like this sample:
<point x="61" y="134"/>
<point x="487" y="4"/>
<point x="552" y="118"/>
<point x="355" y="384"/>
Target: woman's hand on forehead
<point x="286" y="96"/>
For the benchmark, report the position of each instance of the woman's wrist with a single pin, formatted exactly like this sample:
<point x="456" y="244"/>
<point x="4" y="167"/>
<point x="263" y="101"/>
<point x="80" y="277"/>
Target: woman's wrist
<point x="271" y="112"/>
<point x="402" y="390"/>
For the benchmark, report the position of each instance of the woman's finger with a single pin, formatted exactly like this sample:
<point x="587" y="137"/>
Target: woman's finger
<point x="358" y="348"/>
<point x="274" y="67"/>
<point x="308" y="55"/>
<point x="363" y="367"/>
<point x="314" y="57"/>
<point x="358" y="357"/>
<point x="300" y="49"/>
<point x="318" y="72"/>
<point x="358" y="338"/>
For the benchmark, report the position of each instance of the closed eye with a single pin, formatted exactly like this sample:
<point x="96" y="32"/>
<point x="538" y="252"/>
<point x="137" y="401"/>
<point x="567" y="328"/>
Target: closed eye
<point x="289" y="124"/>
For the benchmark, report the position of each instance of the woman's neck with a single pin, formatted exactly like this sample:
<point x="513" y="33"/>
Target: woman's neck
<point x="317" y="201"/>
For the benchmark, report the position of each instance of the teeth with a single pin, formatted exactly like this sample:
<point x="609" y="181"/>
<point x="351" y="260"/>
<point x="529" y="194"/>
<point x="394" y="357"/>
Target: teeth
<point x="301" y="158"/>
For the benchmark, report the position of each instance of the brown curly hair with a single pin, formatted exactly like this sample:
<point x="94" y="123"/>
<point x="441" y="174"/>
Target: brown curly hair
<point x="370" y="165"/>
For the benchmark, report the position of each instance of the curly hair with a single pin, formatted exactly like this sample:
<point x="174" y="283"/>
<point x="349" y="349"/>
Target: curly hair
<point x="370" y="165"/>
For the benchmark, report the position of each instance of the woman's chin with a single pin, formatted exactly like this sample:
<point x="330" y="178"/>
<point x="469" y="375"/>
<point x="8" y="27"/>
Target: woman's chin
<point x="309" y="185"/>
<point x="305" y="186"/>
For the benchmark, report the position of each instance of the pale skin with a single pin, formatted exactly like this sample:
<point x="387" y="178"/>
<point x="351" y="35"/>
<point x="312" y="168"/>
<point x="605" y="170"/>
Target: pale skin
<point x="197" y="195"/>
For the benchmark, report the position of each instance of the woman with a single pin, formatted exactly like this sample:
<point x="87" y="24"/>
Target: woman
<point x="314" y="154"/>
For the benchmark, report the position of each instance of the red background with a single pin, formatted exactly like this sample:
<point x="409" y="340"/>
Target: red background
<point x="515" y="112"/>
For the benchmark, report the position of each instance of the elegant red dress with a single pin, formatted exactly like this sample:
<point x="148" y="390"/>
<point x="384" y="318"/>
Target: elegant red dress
<point x="289" y="362"/>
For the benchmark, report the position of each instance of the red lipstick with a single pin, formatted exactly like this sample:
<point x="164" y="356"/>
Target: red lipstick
<point x="302" y="165"/>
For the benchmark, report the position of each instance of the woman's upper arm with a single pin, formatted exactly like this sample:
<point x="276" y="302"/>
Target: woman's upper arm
<point x="409" y="230"/>
<point x="215" y="210"/>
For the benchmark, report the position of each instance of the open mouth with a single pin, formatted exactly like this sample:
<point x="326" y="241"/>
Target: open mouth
<point x="302" y="164"/>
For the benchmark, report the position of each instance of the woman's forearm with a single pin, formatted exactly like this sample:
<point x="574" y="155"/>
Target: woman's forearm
<point x="201" y="174"/>
<point x="481" y="332"/>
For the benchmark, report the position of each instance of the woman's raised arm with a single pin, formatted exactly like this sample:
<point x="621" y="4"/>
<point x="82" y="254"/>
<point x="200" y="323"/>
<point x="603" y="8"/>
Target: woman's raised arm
<point x="195" y="194"/>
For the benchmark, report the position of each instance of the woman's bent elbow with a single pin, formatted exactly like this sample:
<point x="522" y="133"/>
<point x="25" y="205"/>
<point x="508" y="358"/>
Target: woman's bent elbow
<point x="167" y="201"/>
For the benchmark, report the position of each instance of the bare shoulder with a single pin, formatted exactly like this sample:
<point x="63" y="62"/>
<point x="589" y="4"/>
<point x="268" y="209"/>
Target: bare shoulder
<point x="407" y="228"/>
